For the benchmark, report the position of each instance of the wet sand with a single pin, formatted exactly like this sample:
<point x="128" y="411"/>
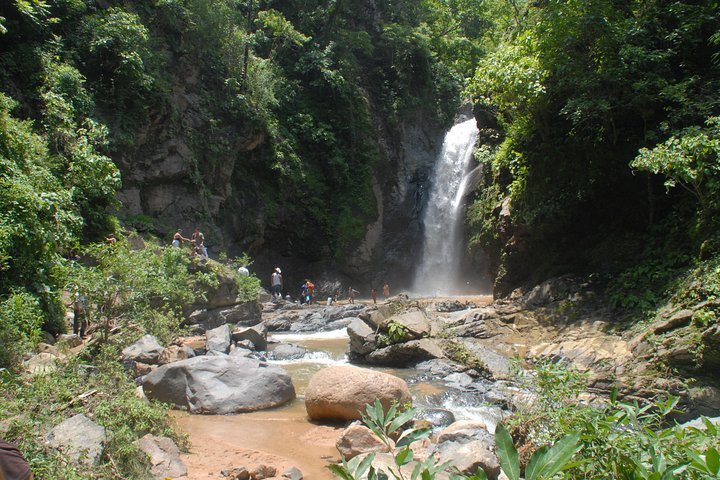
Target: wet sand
<point x="283" y="438"/>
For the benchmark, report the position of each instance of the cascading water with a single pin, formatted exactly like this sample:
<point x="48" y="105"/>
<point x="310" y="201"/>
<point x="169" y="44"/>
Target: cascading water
<point x="438" y="272"/>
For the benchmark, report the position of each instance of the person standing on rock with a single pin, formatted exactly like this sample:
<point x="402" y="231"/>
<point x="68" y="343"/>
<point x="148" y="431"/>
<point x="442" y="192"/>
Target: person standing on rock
<point x="351" y="294"/>
<point x="373" y="294"/>
<point x="386" y="290"/>
<point x="199" y="242"/>
<point x="310" y="291"/>
<point x="79" y="315"/>
<point x="178" y="239"/>
<point x="276" y="282"/>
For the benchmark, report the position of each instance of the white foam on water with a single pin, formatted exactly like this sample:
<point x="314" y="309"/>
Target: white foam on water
<point x="320" y="358"/>
<point x="491" y="415"/>
<point x="298" y="337"/>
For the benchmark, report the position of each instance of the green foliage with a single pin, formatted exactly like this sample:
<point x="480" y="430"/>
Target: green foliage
<point x="459" y="352"/>
<point x="385" y="424"/>
<point x="617" y="440"/>
<point x="511" y="80"/>
<point x="32" y="408"/>
<point x="691" y="160"/>
<point x="21" y="318"/>
<point x="579" y="87"/>
<point x="143" y="289"/>
<point x="544" y="462"/>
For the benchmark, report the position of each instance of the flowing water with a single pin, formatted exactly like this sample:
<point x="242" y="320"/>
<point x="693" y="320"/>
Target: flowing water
<point x="284" y="436"/>
<point x="443" y="217"/>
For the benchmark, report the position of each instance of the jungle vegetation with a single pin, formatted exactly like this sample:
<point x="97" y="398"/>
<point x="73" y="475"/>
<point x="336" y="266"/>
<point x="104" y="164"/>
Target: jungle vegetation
<point x="603" y="139"/>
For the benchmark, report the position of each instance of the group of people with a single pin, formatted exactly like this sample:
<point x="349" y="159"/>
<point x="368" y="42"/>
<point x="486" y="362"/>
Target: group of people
<point x="373" y="293"/>
<point x="307" y="289"/>
<point x="196" y="241"/>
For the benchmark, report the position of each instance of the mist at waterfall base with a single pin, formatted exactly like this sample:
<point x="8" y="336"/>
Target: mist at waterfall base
<point x="440" y="271"/>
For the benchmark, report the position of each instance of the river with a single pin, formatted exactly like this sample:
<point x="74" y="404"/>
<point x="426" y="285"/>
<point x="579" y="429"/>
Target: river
<point x="283" y="436"/>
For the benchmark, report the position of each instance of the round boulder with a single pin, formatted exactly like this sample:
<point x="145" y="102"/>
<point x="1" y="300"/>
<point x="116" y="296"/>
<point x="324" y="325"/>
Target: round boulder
<point x="341" y="393"/>
<point x="220" y="384"/>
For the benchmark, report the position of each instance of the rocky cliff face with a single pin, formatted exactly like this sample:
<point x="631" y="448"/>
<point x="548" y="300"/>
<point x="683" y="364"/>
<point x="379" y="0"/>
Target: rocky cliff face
<point x="169" y="180"/>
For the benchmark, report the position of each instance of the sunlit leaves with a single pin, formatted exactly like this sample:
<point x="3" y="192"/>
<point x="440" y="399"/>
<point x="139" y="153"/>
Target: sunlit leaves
<point x="690" y="159"/>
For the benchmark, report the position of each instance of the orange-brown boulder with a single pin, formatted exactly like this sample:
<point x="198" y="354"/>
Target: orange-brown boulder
<point x="341" y="393"/>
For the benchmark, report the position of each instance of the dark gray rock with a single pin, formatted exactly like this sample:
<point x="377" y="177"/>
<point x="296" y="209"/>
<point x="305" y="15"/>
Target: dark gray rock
<point x="338" y="324"/>
<point x="244" y="314"/>
<point x="405" y="354"/>
<point x="81" y="439"/>
<point x="293" y="473"/>
<point x="337" y="312"/>
<point x="440" y="367"/>
<point x="711" y="351"/>
<point x="145" y="350"/>
<point x="242" y="351"/>
<point x="453" y="306"/>
<point x="218" y="339"/>
<point x="362" y="337"/>
<point x="281" y="322"/>
<point x="220" y="385"/>
<point x="71" y="340"/>
<point x="257" y="334"/>
<point x="287" y="351"/>
<point x="48" y="338"/>
<point x="554" y="289"/>
<point x="310" y="322"/>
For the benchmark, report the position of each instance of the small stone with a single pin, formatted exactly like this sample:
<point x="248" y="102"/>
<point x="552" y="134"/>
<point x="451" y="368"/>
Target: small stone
<point x="293" y="473"/>
<point x="263" y="471"/>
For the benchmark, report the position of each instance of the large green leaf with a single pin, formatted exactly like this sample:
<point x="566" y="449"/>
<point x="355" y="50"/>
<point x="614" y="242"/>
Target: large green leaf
<point x="560" y="453"/>
<point x="506" y="453"/>
<point x="404" y="457"/>
<point x="411" y="436"/>
<point x="364" y="465"/>
<point x="712" y="460"/>
<point x="533" y="470"/>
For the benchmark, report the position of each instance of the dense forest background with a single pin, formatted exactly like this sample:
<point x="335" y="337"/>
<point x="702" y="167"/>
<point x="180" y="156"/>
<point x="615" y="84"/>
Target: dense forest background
<point x="268" y="122"/>
<point x="303" y="132"/>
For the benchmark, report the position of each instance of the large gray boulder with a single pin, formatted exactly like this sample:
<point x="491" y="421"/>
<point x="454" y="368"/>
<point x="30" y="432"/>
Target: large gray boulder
<point x="145" y="350"/>
<point x="220" y="384"/>
<point x="405" y="354"/>
<point x="280" y="322"/>
<point x="78" y="437"/>
<point x="243" y="314"/>
<point x="287" y="351"/>
<point x="342" y="393"/>
<point x="218" y="339"/>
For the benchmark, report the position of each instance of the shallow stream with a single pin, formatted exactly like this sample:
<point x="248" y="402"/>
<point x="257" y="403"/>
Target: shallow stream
<point x="284" y="435"/>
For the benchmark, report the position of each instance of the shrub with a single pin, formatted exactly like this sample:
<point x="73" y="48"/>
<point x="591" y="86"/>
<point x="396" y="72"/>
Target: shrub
<point x="21" y="319"/>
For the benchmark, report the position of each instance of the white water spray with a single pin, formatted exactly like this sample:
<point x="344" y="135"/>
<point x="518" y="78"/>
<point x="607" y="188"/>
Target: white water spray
<point x="438" y="271"/>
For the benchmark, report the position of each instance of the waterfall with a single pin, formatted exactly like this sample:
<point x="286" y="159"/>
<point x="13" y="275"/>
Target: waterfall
<point x="438" y="272"/>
